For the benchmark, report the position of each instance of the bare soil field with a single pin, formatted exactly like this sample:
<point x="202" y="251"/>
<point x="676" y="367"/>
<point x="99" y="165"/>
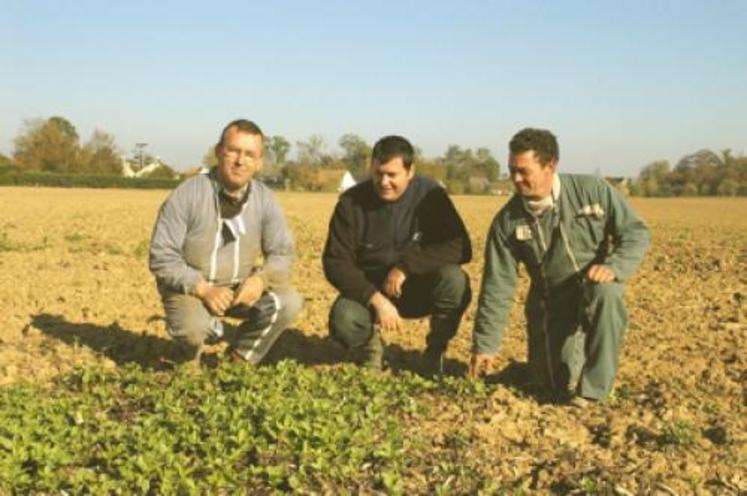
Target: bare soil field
<point x="75" y="289"/>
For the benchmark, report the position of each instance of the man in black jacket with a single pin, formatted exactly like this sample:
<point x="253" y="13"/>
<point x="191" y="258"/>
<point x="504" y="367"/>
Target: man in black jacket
<point x="394" y="250"/>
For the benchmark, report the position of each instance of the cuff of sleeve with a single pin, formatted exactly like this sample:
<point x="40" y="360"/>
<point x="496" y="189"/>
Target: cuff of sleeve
<point x="403" y="267"/>
<point x="366" y="295"/>
<point x="190" y="284"/>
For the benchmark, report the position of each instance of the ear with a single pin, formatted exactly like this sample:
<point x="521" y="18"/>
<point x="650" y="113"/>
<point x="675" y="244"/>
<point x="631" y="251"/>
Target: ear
<point x="218" y="150"/>
<point x="411" y="173"/>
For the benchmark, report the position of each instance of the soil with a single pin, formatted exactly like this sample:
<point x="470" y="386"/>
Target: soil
<point x="75" y="289"/>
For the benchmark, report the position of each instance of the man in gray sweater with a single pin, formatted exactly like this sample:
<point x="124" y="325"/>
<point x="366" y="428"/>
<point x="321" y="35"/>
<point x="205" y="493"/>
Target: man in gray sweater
<point x="208" y="236"/>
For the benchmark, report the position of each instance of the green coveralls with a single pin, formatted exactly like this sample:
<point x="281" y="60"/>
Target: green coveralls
<point x="591" y="223"/>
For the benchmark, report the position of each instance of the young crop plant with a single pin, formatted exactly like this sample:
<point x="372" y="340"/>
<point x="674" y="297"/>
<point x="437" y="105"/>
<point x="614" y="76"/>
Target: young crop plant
<point x="283" y="427"/>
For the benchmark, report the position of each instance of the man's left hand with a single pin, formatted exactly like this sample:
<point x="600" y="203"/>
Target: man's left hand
<point x="249" y="291"/>
<point x="393" y="283"/>
<point x="600" y="274"/>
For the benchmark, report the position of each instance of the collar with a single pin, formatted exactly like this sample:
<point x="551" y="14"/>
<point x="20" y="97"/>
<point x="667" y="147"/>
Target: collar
<point x="234" y="197"/>
<point x="539" y="207"/>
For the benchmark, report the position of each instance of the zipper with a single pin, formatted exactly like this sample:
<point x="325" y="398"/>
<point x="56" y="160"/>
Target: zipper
<point x="545" y="299"/>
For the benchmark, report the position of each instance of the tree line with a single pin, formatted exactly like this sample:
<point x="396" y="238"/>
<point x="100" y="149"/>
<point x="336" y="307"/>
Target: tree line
<point x="703" y="173"/>
<point x="317" y="168"/>
<point x="53" y="146"/>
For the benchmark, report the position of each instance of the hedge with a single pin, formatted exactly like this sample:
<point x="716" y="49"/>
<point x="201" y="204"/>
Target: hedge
<point x="83" y="181"/>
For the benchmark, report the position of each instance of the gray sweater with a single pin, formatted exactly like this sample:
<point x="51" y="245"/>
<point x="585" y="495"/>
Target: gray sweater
<point x="191" y="241"/>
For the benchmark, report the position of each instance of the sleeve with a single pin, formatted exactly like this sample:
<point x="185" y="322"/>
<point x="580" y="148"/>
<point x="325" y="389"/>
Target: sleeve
<point x="630" y="236"/>
<point x="444" y="236"/>
<point x="166" y="261"/>
<point x="339" y="259"/>
<point x="496" y="294"/>
<point x="277" y="245"/>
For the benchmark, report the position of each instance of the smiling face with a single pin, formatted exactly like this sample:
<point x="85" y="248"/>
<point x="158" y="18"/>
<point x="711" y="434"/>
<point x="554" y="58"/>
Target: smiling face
<point x="239" y="158"/>
<point x="390" y="179"/>
<point x="532" y="179"/>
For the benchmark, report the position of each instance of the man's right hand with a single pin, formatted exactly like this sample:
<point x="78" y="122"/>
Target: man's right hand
<point x="216" y="299"/>
<point x="387" y="314"/>
<point x="479" y="364"/>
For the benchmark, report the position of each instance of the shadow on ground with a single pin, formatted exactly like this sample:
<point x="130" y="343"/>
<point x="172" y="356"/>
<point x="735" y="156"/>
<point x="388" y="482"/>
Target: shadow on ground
<point x="153" y="352"/>
<point x="519" y="377"/>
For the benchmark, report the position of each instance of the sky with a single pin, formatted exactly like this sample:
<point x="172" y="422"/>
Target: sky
<point x="620" y="83"/>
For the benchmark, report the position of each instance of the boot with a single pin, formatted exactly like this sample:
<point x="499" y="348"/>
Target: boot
<point x="433" y="363"/>
<point x="372" y="353"/>
<point x="443" y="328"/>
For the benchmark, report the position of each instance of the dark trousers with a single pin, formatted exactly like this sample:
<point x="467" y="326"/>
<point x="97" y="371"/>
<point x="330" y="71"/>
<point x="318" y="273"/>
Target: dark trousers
<point x="443" y="294"/>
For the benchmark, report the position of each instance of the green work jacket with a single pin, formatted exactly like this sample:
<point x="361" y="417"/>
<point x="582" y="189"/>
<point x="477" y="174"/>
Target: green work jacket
<point x="590" y="223"/>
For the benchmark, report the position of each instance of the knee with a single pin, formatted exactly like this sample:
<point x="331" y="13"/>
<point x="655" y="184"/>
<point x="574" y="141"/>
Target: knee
<point x="605" y="293"/>
<point x="350" y="323"/>
<point x="291" y="303"/>
<point x="189" y="333"/>
<point x="187" y="321"/>
<point x="605" y="305"/>
<point x="452" y="287"/>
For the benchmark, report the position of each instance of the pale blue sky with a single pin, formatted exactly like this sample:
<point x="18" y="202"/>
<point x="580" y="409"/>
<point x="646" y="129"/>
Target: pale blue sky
<point x="621" y="83"/>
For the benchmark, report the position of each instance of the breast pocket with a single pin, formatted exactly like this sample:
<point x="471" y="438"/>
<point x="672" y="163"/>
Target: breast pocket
<point x="589" y="225"/>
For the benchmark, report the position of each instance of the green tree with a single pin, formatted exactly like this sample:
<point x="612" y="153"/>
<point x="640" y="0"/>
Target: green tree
<point x="48" y="145"/>
<point x="732" y="179"/>
<point x="100" y="155"/>
<point x="486" y="165"/>
<point x="697" y="173"/>
<point x="312" y="152"/>
<point x="652" y="180"/>
<point x="356" y="154"/>
<point x="278" y="148"/>
<point x="6" y="164"/>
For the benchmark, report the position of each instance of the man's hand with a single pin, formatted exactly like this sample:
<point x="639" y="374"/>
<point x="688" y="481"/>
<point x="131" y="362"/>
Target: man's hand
<point x="600" y="273"/>
<point x="393" y="283"/>
<point x="386" y="313"/>
<point x="249" y="291"/>
<point x="216" y="299"/>
<point x="479" y="364"/>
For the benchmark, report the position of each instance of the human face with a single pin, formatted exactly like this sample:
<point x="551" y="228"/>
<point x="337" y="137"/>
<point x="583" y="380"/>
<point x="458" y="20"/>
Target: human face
<point x="391" y="178"/>
<point x="239" y="158"/>
<point x="532" y="179"/>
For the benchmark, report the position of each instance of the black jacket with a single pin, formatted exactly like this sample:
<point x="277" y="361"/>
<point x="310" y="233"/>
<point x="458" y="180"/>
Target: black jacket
<point x="418" y="233"/>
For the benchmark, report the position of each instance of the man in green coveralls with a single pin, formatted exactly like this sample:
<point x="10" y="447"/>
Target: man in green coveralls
<point x="580" y="241"/>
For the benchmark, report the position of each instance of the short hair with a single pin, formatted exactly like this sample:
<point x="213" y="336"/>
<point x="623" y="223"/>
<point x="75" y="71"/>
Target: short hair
<point x="243" y="125"/>
<point x="391" y="147"/>
<point x="541" y="141"/>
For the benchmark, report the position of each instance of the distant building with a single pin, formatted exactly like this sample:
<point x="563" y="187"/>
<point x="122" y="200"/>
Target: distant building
<point x="131" y="168"/>
<point x="347" y="181"/>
